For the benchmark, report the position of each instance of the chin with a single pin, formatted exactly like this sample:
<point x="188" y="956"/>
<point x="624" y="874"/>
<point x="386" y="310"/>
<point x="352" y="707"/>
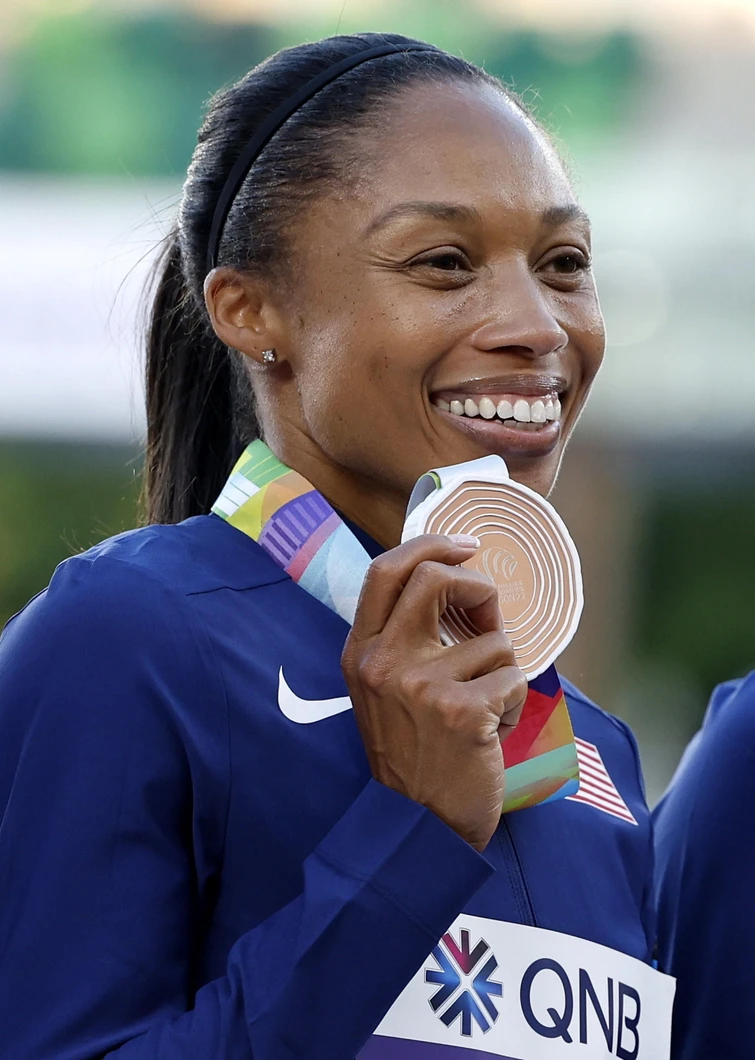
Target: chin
<point x="538" y="474"/>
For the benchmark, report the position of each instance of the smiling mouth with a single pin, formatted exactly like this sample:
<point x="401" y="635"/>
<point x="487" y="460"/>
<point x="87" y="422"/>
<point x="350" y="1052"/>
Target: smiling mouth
<point x="514" y="411"/>
<point x="519" y="417"/>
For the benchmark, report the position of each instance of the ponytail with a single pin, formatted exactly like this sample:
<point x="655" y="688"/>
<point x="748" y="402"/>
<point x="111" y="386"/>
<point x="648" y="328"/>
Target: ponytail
<point x="191" y="440"/>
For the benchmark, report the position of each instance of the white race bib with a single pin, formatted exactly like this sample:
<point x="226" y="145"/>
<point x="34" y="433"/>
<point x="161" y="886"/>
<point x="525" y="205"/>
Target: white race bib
<point x="490" y="988"/>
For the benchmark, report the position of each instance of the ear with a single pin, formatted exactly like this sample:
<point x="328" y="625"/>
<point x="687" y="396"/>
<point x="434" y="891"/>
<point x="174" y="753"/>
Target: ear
<point x="242" y="312"/>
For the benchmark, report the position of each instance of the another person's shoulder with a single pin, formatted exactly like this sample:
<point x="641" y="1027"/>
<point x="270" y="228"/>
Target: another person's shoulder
<point x="718" y="766"/>
<point x="731" y="710"/>
<point x="705" y="872"/>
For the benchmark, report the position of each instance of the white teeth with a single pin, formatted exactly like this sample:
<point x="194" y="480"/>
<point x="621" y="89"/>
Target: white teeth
<point x="523" y="410"/>
<point x="538" y="412"/>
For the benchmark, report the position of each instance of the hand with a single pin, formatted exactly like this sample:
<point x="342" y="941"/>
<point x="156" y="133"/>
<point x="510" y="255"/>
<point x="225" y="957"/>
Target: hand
<point x="432" y="717"/>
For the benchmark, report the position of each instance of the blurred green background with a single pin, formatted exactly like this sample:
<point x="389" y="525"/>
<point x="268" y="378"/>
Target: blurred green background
<point x="99" y="105"/>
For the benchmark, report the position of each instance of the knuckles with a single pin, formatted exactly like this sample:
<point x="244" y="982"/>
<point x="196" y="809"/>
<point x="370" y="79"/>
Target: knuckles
<point x="373" y="673"/>
<point x="371" y="668"/>
<point x="460" y="716"/>
<point x="377" y="675"/>
<point x="381" y="567"/>
<point x="502" y="653"/>
<point x="517" y="691"/>
<point x="430" y="574"/>
<point x="418" y="687"/>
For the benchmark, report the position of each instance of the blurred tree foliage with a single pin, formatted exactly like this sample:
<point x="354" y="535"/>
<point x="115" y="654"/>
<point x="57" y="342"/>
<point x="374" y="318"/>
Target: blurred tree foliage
<point x="55" y="501"/>
<point x="697" y="570"/>
<point x="580" y="84"/>
<point x="580" y="88"/>
<point x="92" y="94"/>
<point x="89" y="93"/>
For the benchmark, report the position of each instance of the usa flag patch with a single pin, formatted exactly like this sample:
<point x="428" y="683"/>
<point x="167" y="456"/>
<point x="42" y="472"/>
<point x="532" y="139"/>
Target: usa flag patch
<point x="595" y="785"/>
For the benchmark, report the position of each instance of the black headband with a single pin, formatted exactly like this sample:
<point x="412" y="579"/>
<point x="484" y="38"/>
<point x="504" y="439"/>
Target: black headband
<point x="269" y="128"/>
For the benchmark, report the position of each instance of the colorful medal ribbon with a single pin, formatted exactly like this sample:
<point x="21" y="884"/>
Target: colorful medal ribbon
<point x="304" y="535"/>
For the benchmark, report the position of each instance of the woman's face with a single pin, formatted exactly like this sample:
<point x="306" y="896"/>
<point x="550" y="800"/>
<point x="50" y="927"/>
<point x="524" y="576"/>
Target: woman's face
<point x="444" y="309"/>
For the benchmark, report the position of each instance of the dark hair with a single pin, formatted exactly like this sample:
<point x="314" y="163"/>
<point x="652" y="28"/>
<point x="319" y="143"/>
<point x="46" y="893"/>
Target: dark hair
<point x="200" y="405"/>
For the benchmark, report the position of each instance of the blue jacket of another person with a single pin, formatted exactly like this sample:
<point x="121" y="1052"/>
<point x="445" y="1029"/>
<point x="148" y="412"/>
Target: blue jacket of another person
<point x="705" y="853"/>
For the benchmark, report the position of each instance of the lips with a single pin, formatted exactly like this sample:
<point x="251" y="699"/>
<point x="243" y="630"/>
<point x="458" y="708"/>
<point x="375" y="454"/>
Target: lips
<point x="516" y="416"/>
<point x="519" y="384"/>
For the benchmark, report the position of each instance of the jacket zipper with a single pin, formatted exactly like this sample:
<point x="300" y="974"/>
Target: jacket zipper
<point x="515" y="872"/>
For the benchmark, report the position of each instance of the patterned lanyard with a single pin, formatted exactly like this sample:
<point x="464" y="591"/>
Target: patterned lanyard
<point x="305" y="536"/>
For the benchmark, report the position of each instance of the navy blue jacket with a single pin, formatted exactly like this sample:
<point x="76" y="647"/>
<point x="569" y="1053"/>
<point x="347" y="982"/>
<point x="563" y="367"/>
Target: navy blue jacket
<point x="187" y="874"/>
<point x="705" y="827"/>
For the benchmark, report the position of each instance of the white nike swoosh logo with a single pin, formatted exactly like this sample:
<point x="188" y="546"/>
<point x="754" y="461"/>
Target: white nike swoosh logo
<point x="305" y="711"/>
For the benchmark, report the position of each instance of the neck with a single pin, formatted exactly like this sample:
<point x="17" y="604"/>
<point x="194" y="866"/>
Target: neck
<point x="375" y="508"/>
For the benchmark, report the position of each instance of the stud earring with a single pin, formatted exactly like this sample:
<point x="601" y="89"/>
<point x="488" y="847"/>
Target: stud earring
<point x="269" y="356"/>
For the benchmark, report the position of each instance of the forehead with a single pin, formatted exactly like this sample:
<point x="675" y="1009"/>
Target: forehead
<point x="462" y="143"/>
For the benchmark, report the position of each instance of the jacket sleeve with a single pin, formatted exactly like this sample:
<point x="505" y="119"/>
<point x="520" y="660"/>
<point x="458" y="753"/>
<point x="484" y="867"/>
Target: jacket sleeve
<point x="705" y="862"/>
<point x="101" y="883"/>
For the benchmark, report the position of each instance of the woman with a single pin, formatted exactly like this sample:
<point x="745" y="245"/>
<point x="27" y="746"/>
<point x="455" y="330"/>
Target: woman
<point x="705" y="880"/>
<point x="379" y="267"/>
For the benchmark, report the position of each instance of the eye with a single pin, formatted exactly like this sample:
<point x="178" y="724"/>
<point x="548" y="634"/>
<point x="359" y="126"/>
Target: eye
<point x="445" y="260"/>
<point x="568" y="263"/>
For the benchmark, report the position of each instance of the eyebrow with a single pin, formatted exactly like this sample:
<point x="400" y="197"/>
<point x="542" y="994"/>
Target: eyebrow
<point x="437" y="211"/>
<point x="551" y="217"/>
<point x="559" y="215"/>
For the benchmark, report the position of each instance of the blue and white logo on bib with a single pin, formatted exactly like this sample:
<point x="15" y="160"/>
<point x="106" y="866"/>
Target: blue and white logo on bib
<point x="466" y="990"/>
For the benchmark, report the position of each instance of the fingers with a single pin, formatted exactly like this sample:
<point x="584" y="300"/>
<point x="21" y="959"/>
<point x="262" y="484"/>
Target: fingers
<point x="389" y="573"/>
<point x="503" y="693"/>
<point x="475" y="658"/>
<point x="431" y="588"/>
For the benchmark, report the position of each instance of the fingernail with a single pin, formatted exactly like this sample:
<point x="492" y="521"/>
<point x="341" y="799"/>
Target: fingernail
<point x="465" y="540"/>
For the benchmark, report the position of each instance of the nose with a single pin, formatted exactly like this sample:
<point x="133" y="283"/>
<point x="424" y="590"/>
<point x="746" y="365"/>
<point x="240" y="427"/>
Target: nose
<point x="522" y="323"/>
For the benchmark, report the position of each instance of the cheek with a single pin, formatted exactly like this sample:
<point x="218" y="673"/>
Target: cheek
<point x="355" y="377"/>
<point x="596" y="328"/>
<point x="369" y="354"/>
<point x="587" y="332"/>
